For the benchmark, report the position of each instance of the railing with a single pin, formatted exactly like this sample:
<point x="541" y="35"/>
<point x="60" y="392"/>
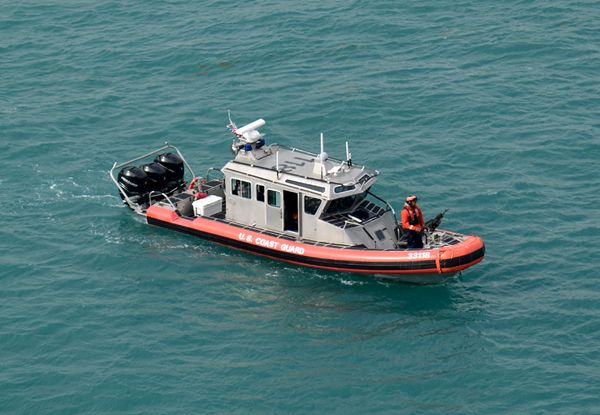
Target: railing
<point x="164" y="195"/>
<point x="210" y="170"/>
<point x="348" y="217"/>
<point x="390" y="208"/>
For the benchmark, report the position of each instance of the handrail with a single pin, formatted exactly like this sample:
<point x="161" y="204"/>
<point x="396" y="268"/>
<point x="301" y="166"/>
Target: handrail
<point x="382" y="200"/>
<point x="386" y="203"/>
<point x="166" y="197"/>
<point x="134" y="206"/>
<point x="390" y="207"/>
<point x="165" y="147"/>
<point x="210" y="169"/>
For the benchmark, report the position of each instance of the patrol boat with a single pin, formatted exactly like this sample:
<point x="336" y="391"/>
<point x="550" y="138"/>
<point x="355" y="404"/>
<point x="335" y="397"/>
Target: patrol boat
<point x="290" y="205"/>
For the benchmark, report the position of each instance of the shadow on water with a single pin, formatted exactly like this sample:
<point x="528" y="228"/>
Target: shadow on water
<point x="296" y="286"/>
<point x="341" y="308"/>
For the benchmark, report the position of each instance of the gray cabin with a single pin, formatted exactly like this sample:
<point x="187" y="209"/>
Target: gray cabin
<point x="305" y="196"/>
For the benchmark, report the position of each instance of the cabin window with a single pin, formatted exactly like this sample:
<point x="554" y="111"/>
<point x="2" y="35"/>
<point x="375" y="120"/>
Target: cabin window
<point x="364" y="179"/>
<point x="235" y="187"/>
<point x="311" y="205"/>
<point x="319" y="189"/>
<point x="241" y="188"/>
<point x="274" y="198"/>
<point x="344" y="188"/>
<point x="246" y="190"/>
<point x="260" y="192"/>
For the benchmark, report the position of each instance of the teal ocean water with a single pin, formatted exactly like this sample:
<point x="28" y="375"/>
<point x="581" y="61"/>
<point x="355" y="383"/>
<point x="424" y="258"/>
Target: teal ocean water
<point x="490" y="109"/>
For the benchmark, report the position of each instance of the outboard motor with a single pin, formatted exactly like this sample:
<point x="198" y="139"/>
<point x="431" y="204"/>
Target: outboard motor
<point x="134" y="181"/>
<point x="174" y="168"/>
<point x="157" y="176"/>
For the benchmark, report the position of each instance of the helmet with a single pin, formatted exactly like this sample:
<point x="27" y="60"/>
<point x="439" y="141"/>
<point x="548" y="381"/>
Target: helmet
<point x="411" y="198"/>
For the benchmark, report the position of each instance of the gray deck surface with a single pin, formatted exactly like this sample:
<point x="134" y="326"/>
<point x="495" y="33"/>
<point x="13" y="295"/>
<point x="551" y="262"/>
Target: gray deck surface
<point x="302" y="164"/>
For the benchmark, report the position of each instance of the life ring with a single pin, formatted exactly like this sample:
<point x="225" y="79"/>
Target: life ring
<point x="200" y="195"/>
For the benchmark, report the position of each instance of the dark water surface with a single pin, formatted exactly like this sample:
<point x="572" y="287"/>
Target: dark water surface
<point x="491" y="109"/>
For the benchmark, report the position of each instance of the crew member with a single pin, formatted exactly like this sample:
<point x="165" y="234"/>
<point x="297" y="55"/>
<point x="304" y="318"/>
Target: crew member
<point x="413" y="222"/>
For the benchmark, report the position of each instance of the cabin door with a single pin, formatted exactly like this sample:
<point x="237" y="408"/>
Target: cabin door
<point x="274" y="216"/>
<point x="290" y="211"/>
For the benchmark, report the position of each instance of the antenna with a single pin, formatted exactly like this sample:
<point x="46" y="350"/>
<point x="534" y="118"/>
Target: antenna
<point x="277" y="163"/>
<point x="322" y="145"/>
<point x="348" y="155"/>
<point x="322" y="155"/>
<point x="231" y="124"/>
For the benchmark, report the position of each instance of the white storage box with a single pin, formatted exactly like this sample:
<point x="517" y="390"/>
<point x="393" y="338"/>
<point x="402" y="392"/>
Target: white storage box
<point x="208" y="206"/>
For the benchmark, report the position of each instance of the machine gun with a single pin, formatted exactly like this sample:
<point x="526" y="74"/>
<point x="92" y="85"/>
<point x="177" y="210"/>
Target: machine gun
<point x="432" y="224"/>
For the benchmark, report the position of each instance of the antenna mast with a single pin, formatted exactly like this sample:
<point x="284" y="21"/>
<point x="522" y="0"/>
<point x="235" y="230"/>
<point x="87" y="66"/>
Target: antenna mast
<point x="322" y="145"/>
<point x="348" y="155"/>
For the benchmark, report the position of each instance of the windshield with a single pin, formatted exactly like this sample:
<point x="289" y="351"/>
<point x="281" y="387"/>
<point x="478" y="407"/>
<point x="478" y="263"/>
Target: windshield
<point x="343" y="204"/>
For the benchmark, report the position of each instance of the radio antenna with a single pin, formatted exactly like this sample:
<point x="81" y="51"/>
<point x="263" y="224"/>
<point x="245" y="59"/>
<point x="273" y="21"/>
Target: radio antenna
<point x="231" y="124"/>
<point x="348" y="155"/>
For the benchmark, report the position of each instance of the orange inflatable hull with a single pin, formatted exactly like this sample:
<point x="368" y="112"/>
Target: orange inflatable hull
<point x="445" y="260"/>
